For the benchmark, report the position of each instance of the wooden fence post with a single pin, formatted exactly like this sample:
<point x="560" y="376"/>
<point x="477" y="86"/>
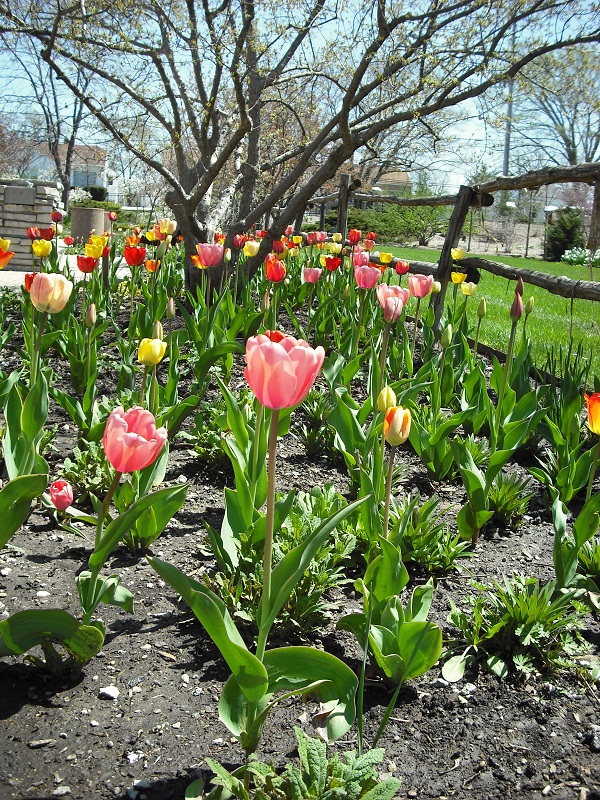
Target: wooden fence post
<point x="343" y="204"/>
<point x="459" y="214"/>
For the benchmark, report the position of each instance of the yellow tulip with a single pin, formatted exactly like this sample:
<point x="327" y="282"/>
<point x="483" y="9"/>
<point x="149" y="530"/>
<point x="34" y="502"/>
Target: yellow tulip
<point x="468" y="288"/>
<point x="99" y="241"/>
<point x="458" y="277"/>
<point x="94" y="250"/>
<point x="4" y="245"/>
<point x="457" y="253"/>
<point x="41" y="248"/>
<point x="151" y="351"/>
<point x="251" y="248"/>
<point x="336" y="237"/>
<point x="293" y="252"/>
<point x="167" y="226"/>
<point x="335" y="248"/>
<point x="385" y="258"/>
<point x="297" y="239"/>
<point x="386" y="399"/>
<point x="150" y="236"/>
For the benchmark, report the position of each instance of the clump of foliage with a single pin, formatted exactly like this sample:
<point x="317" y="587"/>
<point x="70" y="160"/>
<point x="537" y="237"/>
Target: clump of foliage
<point x="87" y="470"/>
<point x="346" y="776"/>
<point x="519" y="625"/>
<point x="509" y="499"/>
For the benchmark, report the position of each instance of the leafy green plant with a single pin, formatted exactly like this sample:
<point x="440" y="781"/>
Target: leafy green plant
<point x="589" y="559"/>
<point x="568" y="547"/>
<point x="423" y="538"/>
<point x="316" y="435"/>
<point x="342" y="777"/>
<point x="518" y="624"/>
<point x="87" y="470"/>
<point x="509" y="498"/>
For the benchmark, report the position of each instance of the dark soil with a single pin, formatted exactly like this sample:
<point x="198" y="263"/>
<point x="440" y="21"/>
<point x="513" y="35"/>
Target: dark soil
<point x="480" y="738"/>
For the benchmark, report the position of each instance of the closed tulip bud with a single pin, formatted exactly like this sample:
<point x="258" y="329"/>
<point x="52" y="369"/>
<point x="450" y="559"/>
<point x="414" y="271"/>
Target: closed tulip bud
<point x="151" y="351"/>
<point x="436" y="287"/>
<point x="171" y="308"/>
<point x="386" y="399"/>
<point x="520" y="287"/>
<point x="457" y="253"/>
<point x="529" y="306"/>
<point x="346" y="292"/>
<point x="396" y="425"/>
<point x="61" y="495"/>
<point x="516" y="310"/>
<point x="157" y="330"/>
<point x="482" y="308"/>
<point x="265" y="303"/>
<point x="336" y="237"/>
<point x="90" y="316"/>
<point x="227" y="255"/>
<point x="446" y="339"/>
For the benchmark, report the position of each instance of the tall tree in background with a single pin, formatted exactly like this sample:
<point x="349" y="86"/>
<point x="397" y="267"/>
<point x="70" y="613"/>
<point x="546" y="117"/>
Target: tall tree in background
<point x="52" y="115"/>
<point x="207" y="78"/>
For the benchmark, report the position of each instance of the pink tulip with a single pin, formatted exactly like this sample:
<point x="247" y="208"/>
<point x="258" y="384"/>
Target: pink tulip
<point x="131" y="439"/>
<point x="61" y="494"/>
<point x="50" y="291"/>
<point x="210" y="254"/>
<point x="360" y="259"/>
<point x="320" y="236"/>
<point x="392" y="310"/>
<point x="281" y="369"/>
<point x="311" y="274"/>
<point x="420" y="285"/>
<point x="366" y="277"/>
<point x="384" y="291"/>
<point x="516" y="310"/>
<point x="368" y="244"/>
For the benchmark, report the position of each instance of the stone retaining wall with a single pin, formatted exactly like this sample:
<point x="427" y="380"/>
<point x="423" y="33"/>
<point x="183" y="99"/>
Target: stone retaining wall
<point x="25" y="204"/>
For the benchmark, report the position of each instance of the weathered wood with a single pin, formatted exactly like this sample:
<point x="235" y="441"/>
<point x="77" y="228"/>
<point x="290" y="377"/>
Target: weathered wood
<point x="342" y="225"/>
<point x="459" y="214"/>
<point x="560" y="285"/>
<point x="584" y="173"/>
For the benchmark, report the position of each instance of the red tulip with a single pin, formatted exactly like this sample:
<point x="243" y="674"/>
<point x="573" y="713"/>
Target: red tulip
<point x="33" y="233"/>
<point x="47" y="234"/>
<point x="311" y="237"/>
<point x="239" y="240"/>
<point x="28" y="280"/>
<point x="311" y="274"/>
<point x="402" y="267"/>
<point x="5" y="257"/>
<point x="134" y="256"/>
<point x="131" y="439"/>
<point x="61" y="494"/>
<point x="354" y="236"/>
<point x="289" y="230"/>
<point x="56" y="216"/>
<point x="275" y="270"/>
<point x="366" y="277"/>
<point x="281" y="369"/>
<point x="86" y="263"/>
<point x="516" y="310"/>
<point x="112" y="216"/>
<point x="68" y="240"/>
<point x="320" y="236"/>
<point x="278" y="246"/>
<point x="371" y="236"/>
<point x="332" y="263"/>
<point x="420" y="285"/>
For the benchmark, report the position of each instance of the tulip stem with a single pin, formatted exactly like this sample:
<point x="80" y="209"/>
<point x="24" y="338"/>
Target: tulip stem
<point x="255" y="448"/>
<point x="414" y="339"/>
<point x="382" y="356"/>
<point x="36" y="351"/>
<point x="265" y="602"/>
<point x="143" y="387"/>
<point x="588" y="494"/>
<point x="361" y="305"/>
<point x="476" y="342"/>
<point x="388" y="493"/>
<point x="91" y="601"/>
<point x="131" y="296"/>
<point x="88" y="358"/>
<point x="153" y="387"/>
<point x="494" y="433"/>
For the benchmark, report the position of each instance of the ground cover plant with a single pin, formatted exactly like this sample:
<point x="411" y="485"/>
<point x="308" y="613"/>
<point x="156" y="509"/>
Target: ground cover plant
<point x="285" y="503"/>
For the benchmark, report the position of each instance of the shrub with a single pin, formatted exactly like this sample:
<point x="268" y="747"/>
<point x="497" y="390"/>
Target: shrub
<point x="564" y="233"/>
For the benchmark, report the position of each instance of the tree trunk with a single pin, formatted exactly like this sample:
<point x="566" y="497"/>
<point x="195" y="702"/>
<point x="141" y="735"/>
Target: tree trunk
<point x="593" y="242"/>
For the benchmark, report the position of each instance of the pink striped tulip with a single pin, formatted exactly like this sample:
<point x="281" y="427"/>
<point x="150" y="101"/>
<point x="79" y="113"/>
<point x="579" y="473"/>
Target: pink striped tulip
<point x="366" y="277"/>
<point x="420" y="285"/>
<point x="311" y="274"/>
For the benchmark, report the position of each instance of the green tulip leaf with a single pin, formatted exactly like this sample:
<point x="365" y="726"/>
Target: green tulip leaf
<point x="15" y="502"/>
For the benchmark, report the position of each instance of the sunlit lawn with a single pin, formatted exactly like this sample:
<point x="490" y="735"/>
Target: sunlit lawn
<point x="552" y="320"/>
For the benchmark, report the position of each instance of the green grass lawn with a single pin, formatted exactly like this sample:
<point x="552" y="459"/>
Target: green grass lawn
<point x="552" y="322"/>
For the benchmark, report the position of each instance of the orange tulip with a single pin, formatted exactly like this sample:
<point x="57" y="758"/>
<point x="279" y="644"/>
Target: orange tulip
<point x="396" y="425"/>
<point x="593" y="412"/>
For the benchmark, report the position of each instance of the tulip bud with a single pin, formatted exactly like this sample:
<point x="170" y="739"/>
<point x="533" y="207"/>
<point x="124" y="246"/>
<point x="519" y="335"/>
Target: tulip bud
<point x="516" y="310"/>
<point x="227" y="255"/>
<point x="265" y="303"/>
<point x="436" y="287"/>
<point x="171" y="308"/>
<point x="336" y="237"/>
<point x="161" y="250"/>
<point x="446" y="339"/>
<point x="457" y="253"/>
<point x="519" y="289"/>
<point x="386" y="399"/>
<point x="90" y="316"/>
<point x="481" y="308"/>
<point x="157" y="330"/>
<point x="346" y="292"/>
<point x="529" y="306"/>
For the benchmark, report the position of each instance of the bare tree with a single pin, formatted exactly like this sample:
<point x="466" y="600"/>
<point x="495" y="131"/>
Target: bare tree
<point x="207" y="77"/>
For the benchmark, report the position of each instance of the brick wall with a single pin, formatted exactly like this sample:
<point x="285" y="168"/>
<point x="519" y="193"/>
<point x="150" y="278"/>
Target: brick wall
<point x="25" y="204"/>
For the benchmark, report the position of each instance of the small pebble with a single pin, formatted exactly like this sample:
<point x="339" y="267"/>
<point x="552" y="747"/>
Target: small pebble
<point x="108" y="693"/>
<point x="61" y="791"/>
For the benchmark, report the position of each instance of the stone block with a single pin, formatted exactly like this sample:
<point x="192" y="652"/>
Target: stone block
<point x="20" y="195"/>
